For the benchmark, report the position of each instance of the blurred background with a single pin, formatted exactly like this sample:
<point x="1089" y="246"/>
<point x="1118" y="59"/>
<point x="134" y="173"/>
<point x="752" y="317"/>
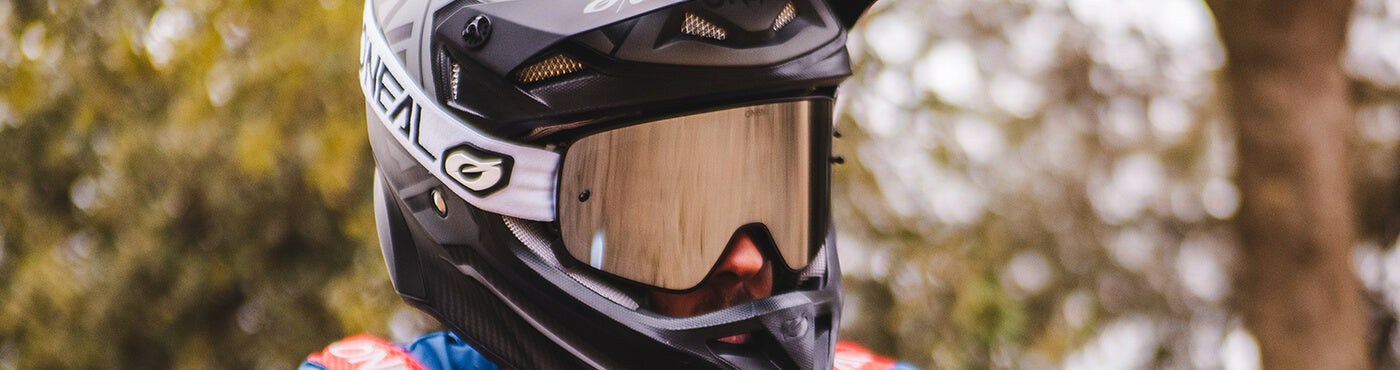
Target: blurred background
<point x="1028" y="184"/>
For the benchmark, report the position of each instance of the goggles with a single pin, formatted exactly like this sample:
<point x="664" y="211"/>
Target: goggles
<point x="657" y="203"/>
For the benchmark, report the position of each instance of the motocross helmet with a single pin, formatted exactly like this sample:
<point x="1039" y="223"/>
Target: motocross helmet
<point x="542" y="166"/>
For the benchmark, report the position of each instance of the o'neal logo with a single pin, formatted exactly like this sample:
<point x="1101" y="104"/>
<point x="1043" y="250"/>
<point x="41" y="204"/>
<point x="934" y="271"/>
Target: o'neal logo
<point x="480" y="171"/>
<point x="386" y="95"/>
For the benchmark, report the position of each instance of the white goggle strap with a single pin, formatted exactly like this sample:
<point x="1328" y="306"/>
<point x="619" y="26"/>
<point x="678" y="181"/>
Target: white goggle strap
<point x="491" y="174"/>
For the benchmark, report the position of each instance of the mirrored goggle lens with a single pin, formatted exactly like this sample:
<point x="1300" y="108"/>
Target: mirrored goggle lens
<point x="657" y="203"/>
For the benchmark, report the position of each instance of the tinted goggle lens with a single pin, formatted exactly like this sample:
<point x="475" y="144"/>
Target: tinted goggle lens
<point x="657" y="203"/>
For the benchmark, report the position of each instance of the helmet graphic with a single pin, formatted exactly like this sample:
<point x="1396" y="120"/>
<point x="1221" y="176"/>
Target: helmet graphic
<point x="549" y="172"/>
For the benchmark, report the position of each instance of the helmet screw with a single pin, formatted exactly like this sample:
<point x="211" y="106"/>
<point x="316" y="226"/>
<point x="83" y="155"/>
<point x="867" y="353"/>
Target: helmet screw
<point x="477" y="32"/>
<point x="439" y="202"/>
<point x="838" y="159"/>
<point x="795" y="327"/>
<point x="583" y="197"/>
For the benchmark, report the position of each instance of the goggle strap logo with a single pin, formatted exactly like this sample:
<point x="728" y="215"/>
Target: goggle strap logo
<point x="480" y="171"/>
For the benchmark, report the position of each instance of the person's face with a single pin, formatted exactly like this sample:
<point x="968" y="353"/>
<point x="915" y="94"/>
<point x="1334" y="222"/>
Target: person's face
<point x="742" y="275"/>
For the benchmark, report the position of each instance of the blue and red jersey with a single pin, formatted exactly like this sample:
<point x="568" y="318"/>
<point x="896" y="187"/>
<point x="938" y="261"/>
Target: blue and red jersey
<point x="443" y="350"/>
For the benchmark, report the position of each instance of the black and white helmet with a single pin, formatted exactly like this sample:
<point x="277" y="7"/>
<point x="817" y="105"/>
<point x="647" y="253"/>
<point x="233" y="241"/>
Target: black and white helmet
<point x="545" y="167"/>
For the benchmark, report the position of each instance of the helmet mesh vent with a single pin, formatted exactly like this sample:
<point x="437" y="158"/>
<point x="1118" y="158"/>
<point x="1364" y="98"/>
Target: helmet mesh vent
<point x="557" y="65"/>
<point x="785" y="16"/>
<point x="817" y="268"/>
<point x="534" y="237"/>
<point x="696" y="26"/>
<point x="456" y="74"/>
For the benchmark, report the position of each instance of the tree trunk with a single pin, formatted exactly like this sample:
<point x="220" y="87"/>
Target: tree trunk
<point x="1293" y="122"/>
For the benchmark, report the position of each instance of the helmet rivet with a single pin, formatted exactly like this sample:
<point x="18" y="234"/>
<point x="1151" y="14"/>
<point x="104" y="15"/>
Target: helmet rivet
<point x="583" y="197"/>
<point x="477" y="32"/>
<point x="795" y="327"/>
<point x="439" y="202"/>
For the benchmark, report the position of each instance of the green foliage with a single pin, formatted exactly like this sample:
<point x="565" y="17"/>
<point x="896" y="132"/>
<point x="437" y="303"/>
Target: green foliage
<point x="187" y="184"/>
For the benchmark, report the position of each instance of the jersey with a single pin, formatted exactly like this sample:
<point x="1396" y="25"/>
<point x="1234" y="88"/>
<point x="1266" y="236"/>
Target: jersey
<point x="435" y="351"/>
<point x="444" y="351"/>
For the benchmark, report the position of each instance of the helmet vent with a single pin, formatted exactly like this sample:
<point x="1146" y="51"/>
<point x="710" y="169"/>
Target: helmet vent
<point x="532" y="234"/>
<point x="456" y="74"/>
<point x="557" y="65"/>
<point x="696" y="26"/>
<point x="817" y="268"/>
<point x="785" y="16"/>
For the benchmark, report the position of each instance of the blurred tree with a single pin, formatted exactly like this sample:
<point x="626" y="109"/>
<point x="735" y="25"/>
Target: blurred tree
<point x="185" y="184"/>
<point x="1293" y="120"/>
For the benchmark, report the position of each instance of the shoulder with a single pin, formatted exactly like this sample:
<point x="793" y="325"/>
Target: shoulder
<point x="361" y="351"/>
<point x="851" y="356"/>
<point x="434" y="351"/>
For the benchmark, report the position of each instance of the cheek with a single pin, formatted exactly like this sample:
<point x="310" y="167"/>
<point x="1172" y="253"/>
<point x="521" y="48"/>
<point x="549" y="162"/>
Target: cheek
<point x="667" y="303"/>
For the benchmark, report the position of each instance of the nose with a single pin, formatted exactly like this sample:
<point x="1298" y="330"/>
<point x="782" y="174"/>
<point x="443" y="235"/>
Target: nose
<point x="742" y="258"/>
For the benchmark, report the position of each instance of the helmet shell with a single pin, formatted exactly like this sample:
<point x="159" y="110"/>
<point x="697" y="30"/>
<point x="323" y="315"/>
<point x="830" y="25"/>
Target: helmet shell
<point x="492" y="278"/>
